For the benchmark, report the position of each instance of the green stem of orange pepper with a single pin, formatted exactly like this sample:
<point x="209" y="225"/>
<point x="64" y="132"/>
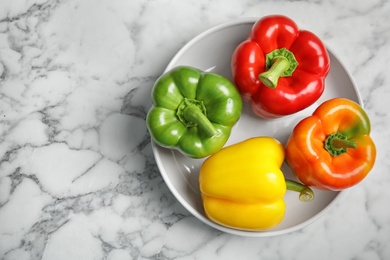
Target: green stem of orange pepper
<point x="338" y="143"/>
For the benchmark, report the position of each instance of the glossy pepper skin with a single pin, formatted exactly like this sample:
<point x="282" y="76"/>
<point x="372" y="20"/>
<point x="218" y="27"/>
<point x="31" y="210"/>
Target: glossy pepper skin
<point x="280" y="69"/>
<point x="242" y="186"/>
<point x="332" y="149"/>
<point x="193" y="111"/>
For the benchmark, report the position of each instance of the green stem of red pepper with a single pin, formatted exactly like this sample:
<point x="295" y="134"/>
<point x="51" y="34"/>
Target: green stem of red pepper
<point x="192" y="112"/>
<point x="338" y="143"/>
<point x="305" y="193"/>
<point x="279" y="63"/>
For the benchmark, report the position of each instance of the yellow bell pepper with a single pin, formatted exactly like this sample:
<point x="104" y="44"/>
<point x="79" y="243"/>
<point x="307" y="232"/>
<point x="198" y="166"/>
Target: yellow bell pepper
<point x="242" y="186"/>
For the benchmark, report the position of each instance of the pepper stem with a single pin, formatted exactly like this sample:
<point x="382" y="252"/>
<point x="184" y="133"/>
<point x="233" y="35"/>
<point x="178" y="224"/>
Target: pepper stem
<point x="305" y="193"/>
<point x="337" y="144"/>
<point x="279" y="63"/>
<point x="270" y="77"/>
<point x="192" y="113"/>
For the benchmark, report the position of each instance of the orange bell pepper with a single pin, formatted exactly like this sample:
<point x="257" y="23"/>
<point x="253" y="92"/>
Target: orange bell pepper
<point x="332" y="149"/>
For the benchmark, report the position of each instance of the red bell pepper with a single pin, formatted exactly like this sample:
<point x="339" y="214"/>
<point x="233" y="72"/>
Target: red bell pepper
<point x="279" y="68"/>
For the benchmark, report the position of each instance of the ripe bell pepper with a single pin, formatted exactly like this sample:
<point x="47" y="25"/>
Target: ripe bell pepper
<point x="280" y="69"/>
<point x="332" y="149"/>
<point x="242" y="186"/>
<point x="193" y="111"/>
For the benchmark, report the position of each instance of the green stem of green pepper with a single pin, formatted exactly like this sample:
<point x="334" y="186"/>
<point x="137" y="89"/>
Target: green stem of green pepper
<point x="305" y="193"/>
<point x="194" y="114"/>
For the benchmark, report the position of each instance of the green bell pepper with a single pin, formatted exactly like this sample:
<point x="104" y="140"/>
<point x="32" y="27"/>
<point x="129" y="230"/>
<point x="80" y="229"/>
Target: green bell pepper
<point x="193" y="111"/>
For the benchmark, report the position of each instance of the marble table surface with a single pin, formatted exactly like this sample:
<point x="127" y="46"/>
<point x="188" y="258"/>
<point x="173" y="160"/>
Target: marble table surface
<point x="78" y="179"/>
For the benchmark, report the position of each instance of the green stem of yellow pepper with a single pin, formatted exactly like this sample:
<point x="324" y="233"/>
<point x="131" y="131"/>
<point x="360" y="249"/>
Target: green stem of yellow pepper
<point x="305" y="193"/>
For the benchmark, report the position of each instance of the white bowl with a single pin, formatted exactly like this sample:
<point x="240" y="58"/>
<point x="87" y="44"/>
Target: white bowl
<point x="212" y="51"/>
